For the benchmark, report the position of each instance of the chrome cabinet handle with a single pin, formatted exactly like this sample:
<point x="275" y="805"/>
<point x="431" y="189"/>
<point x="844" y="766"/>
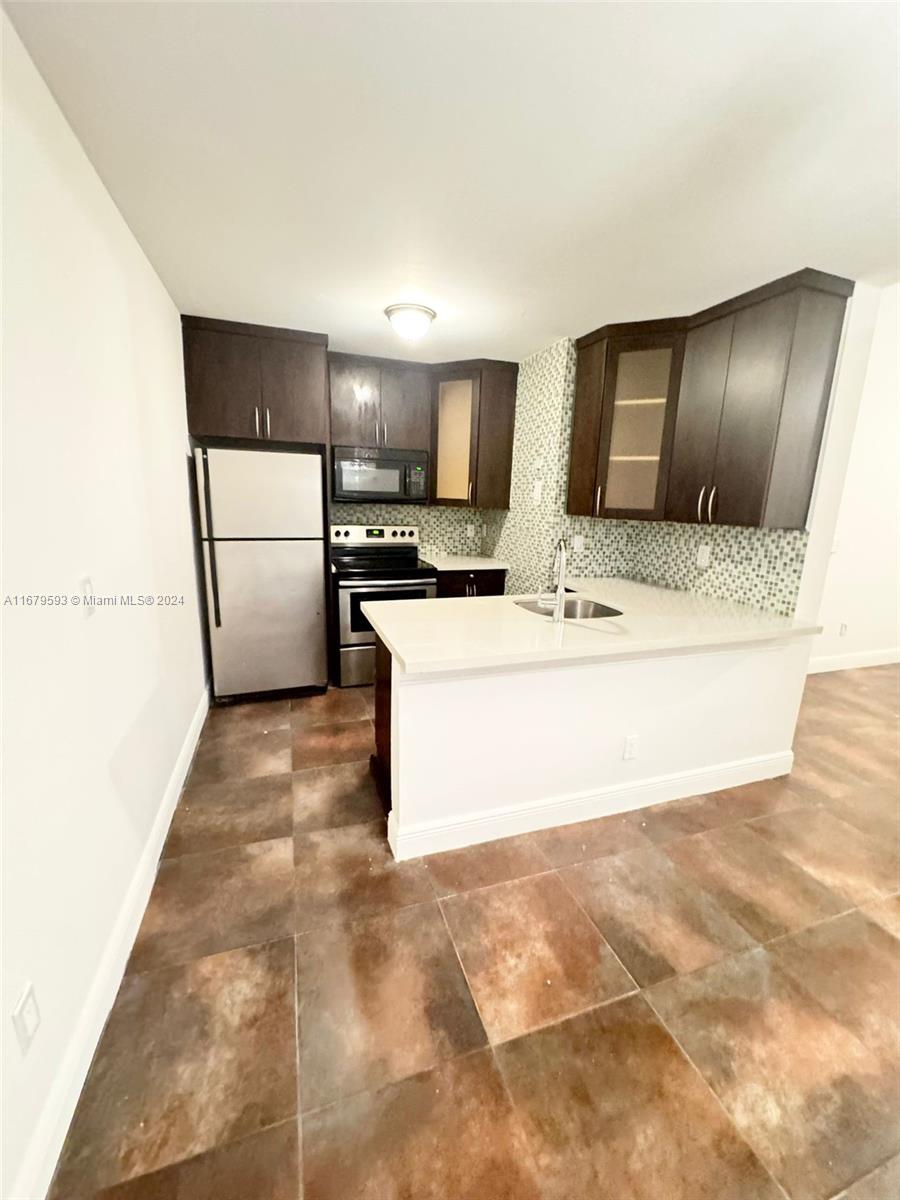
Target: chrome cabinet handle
<point x="385" y="431"/>
<point x="700" y="504"/>
<point x="597" y="501"/>
<point x="470" y="493"/>
<point x="712" y="496"/>
<point x="256" y="417"/>
<point x="268" y="423"/>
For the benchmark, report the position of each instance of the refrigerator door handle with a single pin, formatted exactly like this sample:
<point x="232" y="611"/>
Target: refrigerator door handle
<point x="213" y="573"/>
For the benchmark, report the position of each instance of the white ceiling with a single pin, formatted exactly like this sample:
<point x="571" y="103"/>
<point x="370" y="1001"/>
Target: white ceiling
<point x="529" y="170"/>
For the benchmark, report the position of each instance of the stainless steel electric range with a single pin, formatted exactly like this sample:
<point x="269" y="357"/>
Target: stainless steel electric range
<point x="372" y="562"/>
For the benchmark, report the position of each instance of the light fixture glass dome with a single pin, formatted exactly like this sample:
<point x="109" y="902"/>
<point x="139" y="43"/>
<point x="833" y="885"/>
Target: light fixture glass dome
<point x="410" y="321"/>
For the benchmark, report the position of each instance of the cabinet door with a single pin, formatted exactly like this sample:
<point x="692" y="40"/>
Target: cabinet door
<point x="706" y="352"/>
<point x="489" y="583"/>
<point x="355" y="403"/>
<point x="637" y="423"/>
<point x="453" y="584"/>
<point x="583" y="454"/>
<point x="222" y="384"/>
<point x="406" y="408"/>
<point x="294" y="392"/>
<point x="496" y="426"/>
<point x="751" y="410"/>
<point x="456" y="437"/>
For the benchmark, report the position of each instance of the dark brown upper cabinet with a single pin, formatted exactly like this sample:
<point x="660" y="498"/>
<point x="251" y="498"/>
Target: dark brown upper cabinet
<point x="252" y="381"/>
<point x="379" y="403"/>
<point x="741" y="426"/>
<point x="625" y="398"/>
<point x="473" y="428"/>
<point x="751" y="411"/>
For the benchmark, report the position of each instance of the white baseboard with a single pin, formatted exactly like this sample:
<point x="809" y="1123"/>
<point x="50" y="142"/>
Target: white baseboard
<point x="36" y="1172"/>
<point x="861" y="658"/>
<point x="433" y="837"/>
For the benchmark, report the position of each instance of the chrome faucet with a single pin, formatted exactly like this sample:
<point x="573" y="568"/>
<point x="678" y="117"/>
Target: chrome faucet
<point x="559" y="566"/>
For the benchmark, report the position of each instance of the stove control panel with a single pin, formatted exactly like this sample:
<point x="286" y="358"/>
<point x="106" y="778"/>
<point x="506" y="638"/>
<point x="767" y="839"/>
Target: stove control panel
<point x="374" y="535"/>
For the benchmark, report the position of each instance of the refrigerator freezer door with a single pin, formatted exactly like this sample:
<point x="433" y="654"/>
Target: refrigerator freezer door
<point x="261" y="494"/>
<point x="272" y="612"/>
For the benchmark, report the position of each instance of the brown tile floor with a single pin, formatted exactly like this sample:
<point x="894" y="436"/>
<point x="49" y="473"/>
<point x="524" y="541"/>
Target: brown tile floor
<point x="698" y="1001"/>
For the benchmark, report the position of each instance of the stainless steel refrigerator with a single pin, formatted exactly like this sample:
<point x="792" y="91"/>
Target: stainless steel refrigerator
<point x="262" y="529"/>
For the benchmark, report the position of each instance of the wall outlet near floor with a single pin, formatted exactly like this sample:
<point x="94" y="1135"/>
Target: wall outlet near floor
<point x="578" y="542"/>
<point x="630" y="749"/>
<point x="26" y="1017"/>
<point x="703" y="554"/>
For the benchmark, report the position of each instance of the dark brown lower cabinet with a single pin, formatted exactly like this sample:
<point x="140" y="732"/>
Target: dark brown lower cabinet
<point x="381" y="759"/>
<point x="471" y="583"/>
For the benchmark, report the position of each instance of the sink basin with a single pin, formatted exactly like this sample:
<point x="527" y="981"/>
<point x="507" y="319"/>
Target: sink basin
<point x="577" y="609"/>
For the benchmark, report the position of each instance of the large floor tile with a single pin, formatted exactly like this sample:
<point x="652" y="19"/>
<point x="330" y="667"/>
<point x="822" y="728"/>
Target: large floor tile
<point x="257" y="716"/>
<point x="611" y="1109"/>
<point x="488" y="863"/>
<point x="874" y="811"/>
<point x="699" y="814"/>
<point x="191" y="1056"/>
<point x="447" y="1134"/>
<point x="845" y="859"/>
<point x="531" y="955"/>
<point x="657" y="921"/>
<point x="327" y="797"/>
<point x="337" y="704"/>
<point x="337" y="742"/>
<point x="350" y="872"/>
<point x="764" y="891"/>
<point x="264" y="1166"/>
<point x="379" y="1000"/>
<point x="212" y="816"/>
<point x="566" y="845"/>
<point x="882" y="1184"/>
<point x="852" y="967"/>
<point x="241" y="756"/>
<point x="885" y="913"/>
<point x="815" y="1104"/>
<point x="205" y="903"/>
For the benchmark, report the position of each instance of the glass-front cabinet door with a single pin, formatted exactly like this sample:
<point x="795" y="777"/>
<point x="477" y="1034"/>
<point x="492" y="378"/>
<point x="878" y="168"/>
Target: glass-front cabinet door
<point x="456" y="447"/>
<point x="636" y="425"/>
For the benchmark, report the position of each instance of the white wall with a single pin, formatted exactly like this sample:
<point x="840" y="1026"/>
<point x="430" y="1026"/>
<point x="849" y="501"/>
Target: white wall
<point x="100" y="713"/>
<point x="862" y="583"/>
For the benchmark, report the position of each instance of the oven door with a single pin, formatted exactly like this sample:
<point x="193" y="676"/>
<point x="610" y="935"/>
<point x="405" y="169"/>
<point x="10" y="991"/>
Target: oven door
<point x="355" y="630"/>
<point x="359" y="479"/>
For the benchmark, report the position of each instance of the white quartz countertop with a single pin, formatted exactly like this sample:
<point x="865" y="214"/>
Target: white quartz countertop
<point x="462" y="562"/>
<point x="490" y="632"/>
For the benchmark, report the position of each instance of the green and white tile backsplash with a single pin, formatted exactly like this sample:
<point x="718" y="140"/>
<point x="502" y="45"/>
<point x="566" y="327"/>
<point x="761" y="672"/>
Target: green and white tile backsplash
<point x="760" y="567"/>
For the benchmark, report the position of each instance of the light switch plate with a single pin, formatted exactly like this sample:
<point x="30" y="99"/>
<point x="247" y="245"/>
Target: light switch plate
<point x="578" y="542"/>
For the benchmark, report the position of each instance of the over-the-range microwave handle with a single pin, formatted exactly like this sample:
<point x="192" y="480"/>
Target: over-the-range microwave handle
<point x="355" y="585"/>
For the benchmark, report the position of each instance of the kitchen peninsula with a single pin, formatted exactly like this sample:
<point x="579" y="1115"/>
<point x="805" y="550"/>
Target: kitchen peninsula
<point x="492" y="720"/>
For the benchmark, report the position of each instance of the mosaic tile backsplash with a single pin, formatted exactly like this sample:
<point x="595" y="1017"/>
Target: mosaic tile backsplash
<point x="761" y="567"/>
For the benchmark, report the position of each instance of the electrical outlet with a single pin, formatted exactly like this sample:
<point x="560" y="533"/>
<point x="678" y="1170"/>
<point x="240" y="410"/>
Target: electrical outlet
<point x="537" y="491"/>
<point x="630" y="748"/>
<point x="842" y="632"/>
<point x="577" y="542"/>
<point x="703" y="554"/>
<point x="26" y="1017"/>
<point x="470" y="531"/>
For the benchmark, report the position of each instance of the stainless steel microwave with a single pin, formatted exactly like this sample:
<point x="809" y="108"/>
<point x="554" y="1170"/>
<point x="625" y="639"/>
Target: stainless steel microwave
<point x="362" y="474"/>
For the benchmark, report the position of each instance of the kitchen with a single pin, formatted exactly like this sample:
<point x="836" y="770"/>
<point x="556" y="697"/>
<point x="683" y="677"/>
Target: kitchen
<point x="490" y="785"/>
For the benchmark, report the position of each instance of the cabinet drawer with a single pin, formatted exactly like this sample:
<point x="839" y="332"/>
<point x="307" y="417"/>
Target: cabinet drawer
<point x="471" y="583"/>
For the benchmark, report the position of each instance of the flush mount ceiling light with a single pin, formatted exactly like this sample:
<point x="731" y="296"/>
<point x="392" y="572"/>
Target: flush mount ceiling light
<point x="410" y="321"/>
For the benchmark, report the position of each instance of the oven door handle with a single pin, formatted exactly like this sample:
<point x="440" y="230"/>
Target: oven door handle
<point x="356" y="586"/>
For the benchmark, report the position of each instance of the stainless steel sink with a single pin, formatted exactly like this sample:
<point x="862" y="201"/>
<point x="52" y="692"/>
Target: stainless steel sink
<point x="577" y="609"/>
